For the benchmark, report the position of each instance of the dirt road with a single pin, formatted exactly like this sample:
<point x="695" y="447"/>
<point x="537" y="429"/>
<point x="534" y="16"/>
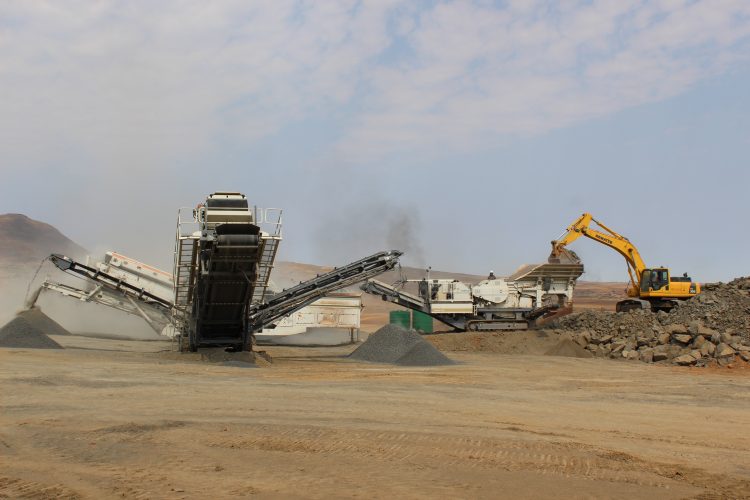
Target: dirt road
<point x="117" y="419"/>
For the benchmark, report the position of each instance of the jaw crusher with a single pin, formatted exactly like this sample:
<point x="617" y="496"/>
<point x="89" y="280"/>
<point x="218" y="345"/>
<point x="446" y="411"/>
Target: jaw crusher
<point x="532" y="294"/>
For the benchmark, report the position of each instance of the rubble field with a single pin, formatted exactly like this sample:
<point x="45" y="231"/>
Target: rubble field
<point x="710" y="329"/>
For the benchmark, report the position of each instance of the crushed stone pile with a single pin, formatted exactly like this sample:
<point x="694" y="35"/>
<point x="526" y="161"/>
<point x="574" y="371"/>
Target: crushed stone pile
<point x="20" y="332"/>
<point x="395" y="345"/>
<point x="712" y="328"/>
<point x="38" y="319"/>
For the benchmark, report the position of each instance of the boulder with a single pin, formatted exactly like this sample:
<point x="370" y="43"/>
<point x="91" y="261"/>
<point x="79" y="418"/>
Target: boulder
<point x="725" y="360"/>
<point x="723" y="350"/>
<point x="646" y="355"/>
<point x="682" y="338"/>
<point x="676" y="328"/>
<point x="617" y="347"/>
<point x="660" y="353"/>
<point x="630" y="354"/>
<point x="699" y="341"/>
<point x="745" y="355"/>
<point x="663" y="338"/>
<point x="704" y="331"/>
<point x="684" y="360"/>
<point x="675" y="350"/>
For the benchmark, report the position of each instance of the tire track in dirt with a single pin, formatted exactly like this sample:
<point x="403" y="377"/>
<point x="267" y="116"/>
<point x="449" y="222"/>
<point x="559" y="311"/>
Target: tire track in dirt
<point x="11" y="487"/>
<point x="573" y="460"/>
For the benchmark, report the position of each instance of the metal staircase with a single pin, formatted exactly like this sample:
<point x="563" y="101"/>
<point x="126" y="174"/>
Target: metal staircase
<point x="270" y="218"/>
<point x="185" y="266"/>
<point x="265" y="266"/>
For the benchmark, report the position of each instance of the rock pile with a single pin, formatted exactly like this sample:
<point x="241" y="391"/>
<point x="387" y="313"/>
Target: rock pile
<point x="395" y="345"/>
<point x="721" y="306"/>
<point x="713" y="327"/>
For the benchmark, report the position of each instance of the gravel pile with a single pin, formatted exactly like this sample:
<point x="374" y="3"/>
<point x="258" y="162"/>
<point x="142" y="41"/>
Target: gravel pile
<point x="395" y="345"/>
<point x="423" y="354"/>
<point x="712" y="328"/>
<point x="41" y="321"/>
<point x="19" y="332"/>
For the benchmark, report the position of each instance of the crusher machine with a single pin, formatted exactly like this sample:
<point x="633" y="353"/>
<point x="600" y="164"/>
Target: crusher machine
<point x="223" y="258"/>
<point x="517" y="302"/>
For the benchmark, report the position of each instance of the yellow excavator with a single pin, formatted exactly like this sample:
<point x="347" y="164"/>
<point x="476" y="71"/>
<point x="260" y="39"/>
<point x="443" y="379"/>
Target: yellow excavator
<point x="650" y="287"/>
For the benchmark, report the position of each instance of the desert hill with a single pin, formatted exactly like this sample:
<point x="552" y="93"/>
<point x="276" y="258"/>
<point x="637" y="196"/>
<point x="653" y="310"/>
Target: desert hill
<point x="24" y="242"/>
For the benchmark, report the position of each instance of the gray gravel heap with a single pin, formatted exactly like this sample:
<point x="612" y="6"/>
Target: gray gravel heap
<point x="39" y="320"/>
<point x="424" y="354"/>
<point x="395" y="345"/>
<point x="19" y="332"/>
<point x="712" y="328"/>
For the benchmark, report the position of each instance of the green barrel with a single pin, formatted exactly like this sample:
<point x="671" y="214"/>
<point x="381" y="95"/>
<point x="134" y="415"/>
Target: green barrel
<point x="421" y="322"/>
<point x="401" y="318"/>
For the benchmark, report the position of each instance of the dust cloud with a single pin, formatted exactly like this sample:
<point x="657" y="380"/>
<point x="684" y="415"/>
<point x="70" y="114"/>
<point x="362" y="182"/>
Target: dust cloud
<point x="20" y="287"/>
<point x="366" y="228"/>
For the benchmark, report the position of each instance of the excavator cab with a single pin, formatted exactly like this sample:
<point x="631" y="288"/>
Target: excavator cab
<point x="657" y="283"/>
<point x="653" y="280"/>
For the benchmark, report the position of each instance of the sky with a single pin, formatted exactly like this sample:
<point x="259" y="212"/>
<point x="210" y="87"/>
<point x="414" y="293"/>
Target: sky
<point x="468" y="133"/>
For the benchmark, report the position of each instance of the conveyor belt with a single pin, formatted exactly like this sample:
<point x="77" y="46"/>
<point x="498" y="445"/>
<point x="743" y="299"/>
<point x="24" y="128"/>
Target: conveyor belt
<point x="112" y="283"/>
<point x="292" y="299"/>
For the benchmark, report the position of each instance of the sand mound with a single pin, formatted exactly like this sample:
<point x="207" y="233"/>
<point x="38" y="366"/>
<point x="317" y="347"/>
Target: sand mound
<point x="566" y="347"/>
<point x="19" y="332"/>
<point x="393" y="344"/>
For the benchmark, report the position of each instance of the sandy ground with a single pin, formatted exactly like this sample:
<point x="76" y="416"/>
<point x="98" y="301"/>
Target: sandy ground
<point x="108" y="418"/>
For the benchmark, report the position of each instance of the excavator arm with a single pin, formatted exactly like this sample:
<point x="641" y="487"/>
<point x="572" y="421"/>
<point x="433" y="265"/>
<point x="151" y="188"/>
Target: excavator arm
<point x="608" y="237"/>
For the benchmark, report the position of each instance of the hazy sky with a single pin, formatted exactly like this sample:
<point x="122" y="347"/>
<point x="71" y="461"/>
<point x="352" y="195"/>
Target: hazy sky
<point x="468" y="133"/>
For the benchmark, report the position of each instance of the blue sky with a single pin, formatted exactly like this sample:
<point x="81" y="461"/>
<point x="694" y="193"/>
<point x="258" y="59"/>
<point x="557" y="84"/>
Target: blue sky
<point x="468" y="133"/>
